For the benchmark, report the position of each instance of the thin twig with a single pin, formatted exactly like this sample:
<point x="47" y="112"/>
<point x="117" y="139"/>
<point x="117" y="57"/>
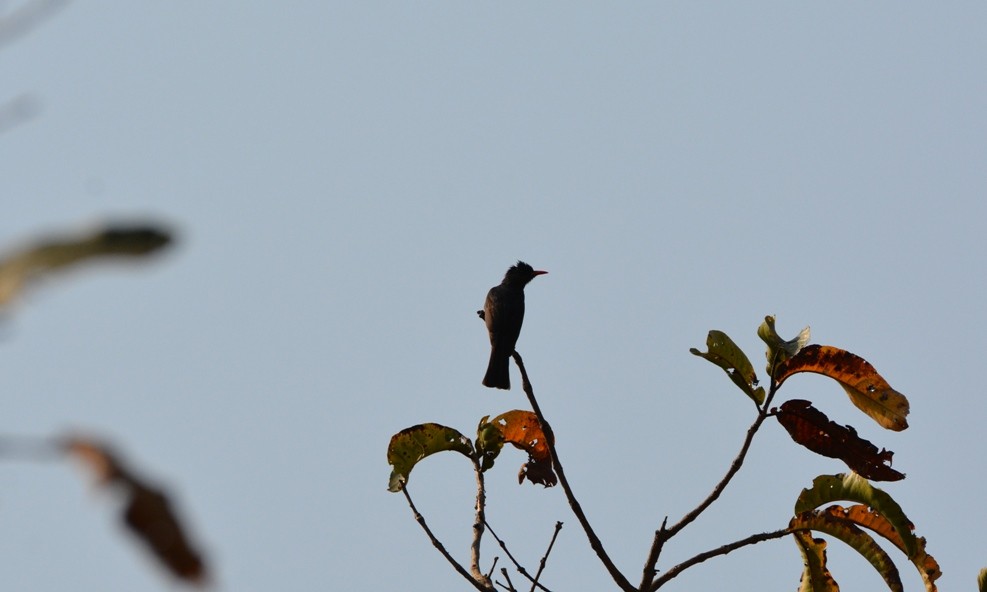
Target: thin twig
<point x="734" y="467"/>
<point x="478" y="523"/>
<point x="663" y="534"/>
<point x="544" y="559"/>
<point x="438" y="545"/>
<point x="520" y="568"/>
<point x="649" y="565"/>
<point x="751" y="540"/>
<point x="509" y="586"/>
<point x="493" y="567"/>
<point x="594" y="541"/>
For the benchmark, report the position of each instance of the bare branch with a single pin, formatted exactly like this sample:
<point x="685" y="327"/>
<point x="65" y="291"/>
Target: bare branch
<point x="649" y="565"/>
<point x="438" y="545"/>
<point x="544" y="559"/>
<point x="594" y="541"/>
<point x="520" y="568"/>
<point x="663" y="534"/>
<point x="751" y="540"/>
<point x="478" y="523"/>
<point x="510" y="586"/>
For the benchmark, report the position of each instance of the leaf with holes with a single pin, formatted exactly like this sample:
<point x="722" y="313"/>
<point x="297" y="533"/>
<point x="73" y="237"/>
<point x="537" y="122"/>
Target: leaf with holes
<point x="412" y="444"/>
<point x="815" y="574"/>
<point x="724" y="353"/>
<point x="836" y="525"/>
<point x="870" y="519"/>
<point x="811" y="428"/>
<point x="865" y="387"/>
<point x="852" y="487"/>
<point x="489" y="443"/>
<point x="521" y="428"/>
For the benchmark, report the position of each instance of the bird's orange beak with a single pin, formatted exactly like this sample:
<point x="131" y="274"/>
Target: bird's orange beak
<point x="540" y="272"/>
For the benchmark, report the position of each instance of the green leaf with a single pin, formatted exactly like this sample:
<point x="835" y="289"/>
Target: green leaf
<point x="724" y="353"/>
<point x="779" y="349"/>
<point x="489" y="442"/>
<point x="853" y="487"/>
<point x="867" y="390"/>
<point x="410" y="445"/>
<point x="815" y="574"/>
<point x="833" y="521"/>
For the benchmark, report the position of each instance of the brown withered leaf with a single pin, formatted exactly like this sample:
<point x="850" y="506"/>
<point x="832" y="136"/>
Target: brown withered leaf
<point x="21" y="267"/>
<point x="147" y="511"/>
<point x="521" y="428"/>
<point x="865" y="387"/>
<point x="811" y="428"/>
<point x="150" y="516"/>
<point x="871" y="519"/>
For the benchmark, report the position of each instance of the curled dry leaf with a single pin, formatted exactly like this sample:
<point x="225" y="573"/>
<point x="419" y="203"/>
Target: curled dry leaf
<point x="521" y="428"/>
<point x="815" y="574"/>
<point x="21" y="267"/>
<point x="833" y="522"/>
<point x="780" y="349"/>
<point x="865" y="387"/>
<point x="147" y="511"/>
<point x="811" y="428"/>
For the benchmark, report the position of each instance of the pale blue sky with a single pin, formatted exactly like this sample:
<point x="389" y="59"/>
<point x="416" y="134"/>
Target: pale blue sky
<point x="348" y="180"/>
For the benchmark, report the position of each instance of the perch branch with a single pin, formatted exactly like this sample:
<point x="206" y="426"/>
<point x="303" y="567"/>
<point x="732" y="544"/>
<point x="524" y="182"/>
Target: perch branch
<point x="594" y="541"/>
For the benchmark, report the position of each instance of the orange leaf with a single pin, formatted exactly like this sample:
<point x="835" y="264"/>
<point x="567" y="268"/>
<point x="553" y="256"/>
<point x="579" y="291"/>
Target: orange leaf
<point x="865" y="387"/>
<point x="811" y="428"/>
<point x="521" y="428"/>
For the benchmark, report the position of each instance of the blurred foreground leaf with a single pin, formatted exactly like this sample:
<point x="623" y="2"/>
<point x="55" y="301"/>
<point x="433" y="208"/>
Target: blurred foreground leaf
<point x="147" y="513"/>
<point x="23" y="266"/>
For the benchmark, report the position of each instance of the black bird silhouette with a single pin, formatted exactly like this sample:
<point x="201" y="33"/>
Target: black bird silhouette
<point x="503" y="313"/>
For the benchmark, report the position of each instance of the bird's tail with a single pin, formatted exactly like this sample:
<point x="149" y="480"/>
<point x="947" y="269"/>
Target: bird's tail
<point x="498" y="371"/>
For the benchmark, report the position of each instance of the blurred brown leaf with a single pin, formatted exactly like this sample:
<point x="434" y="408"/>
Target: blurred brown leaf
<point x="147" y="512"/>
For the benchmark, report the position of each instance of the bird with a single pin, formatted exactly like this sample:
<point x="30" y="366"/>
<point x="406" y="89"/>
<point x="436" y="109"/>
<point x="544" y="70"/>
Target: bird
<point x="503" y="312"/>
